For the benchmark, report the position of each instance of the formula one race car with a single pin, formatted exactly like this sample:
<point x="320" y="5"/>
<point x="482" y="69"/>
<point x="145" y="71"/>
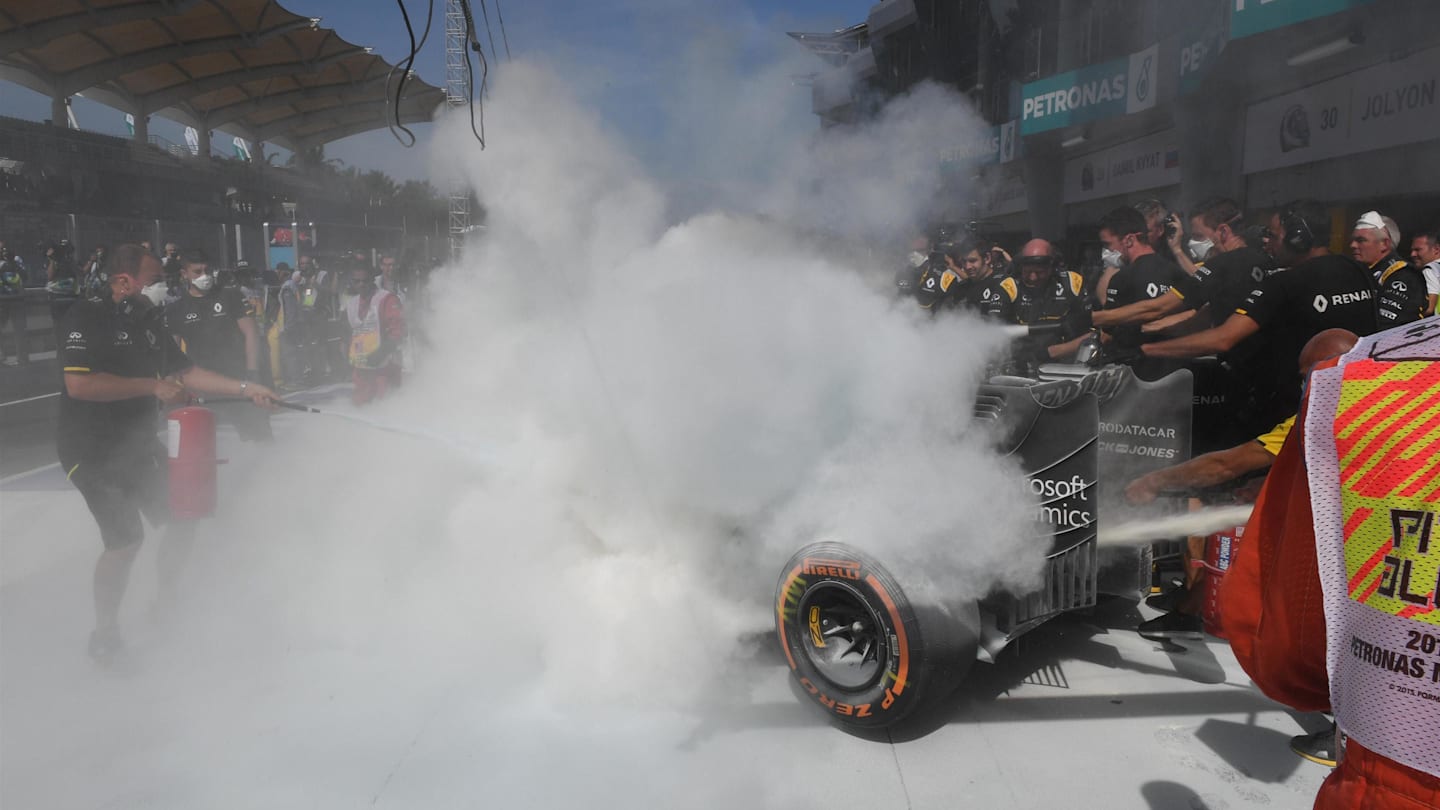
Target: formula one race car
<point x="870" y="654"/>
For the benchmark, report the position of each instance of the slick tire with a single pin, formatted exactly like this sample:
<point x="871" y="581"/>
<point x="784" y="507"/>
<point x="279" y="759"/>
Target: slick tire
<point x="857" y="647"/>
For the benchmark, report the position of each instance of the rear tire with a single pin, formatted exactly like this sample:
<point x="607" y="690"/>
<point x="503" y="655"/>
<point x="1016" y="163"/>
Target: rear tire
<point x="856" y="645"/>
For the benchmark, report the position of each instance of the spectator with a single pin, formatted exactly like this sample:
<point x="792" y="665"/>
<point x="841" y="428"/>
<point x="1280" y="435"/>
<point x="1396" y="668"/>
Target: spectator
<point x="170" y="262"/>
<point x="1402" y="287"/>
<point x="387" y="280"/>
<point x="1425" y="254"/>
<point x="294" y="365"/>
<point x="377" y="325"/>
<point x="306" y="265"/>
<point x="332" y="323"/>
<point x="275" y="276"/>
<point x="12" y="307"/>
<point x="254" y="293"/>
<point x="21" y="267"/>
<point x="93" y="281"/>
<point x="61" y="286"/>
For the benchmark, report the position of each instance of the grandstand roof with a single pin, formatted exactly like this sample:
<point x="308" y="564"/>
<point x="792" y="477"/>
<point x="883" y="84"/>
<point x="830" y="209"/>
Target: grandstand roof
<point x="248" y="66"/>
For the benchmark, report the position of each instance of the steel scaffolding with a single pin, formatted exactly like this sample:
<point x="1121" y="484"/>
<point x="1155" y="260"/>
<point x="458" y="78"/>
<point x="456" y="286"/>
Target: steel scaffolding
<point x="457" y="95"/>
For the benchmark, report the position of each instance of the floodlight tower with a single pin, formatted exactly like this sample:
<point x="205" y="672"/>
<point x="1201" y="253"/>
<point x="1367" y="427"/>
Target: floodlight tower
<point x="457" y="96"/>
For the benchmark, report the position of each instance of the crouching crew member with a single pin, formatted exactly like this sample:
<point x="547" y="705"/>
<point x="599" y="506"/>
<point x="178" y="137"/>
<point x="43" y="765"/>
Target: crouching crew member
<point x="119" y="362"/>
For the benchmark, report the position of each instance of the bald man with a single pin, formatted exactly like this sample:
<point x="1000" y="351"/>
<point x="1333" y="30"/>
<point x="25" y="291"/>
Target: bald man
<point x="1039" y="293"/>
<point x="1214" y="469"/>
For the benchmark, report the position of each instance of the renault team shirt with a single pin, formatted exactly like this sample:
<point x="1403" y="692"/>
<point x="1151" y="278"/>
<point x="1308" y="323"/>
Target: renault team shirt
<point x="125" y="339"/>
<point x="1147" y="277"/>
<point x="208" y="326"/>
<point x="1327" y="292"/>
<point x="1225" y="280"/>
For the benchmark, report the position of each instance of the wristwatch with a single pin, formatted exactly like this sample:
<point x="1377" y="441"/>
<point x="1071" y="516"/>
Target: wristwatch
<point x="243" y="386"/>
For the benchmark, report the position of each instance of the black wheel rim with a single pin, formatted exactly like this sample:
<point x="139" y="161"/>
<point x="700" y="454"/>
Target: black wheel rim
<point x="841" y="636"/>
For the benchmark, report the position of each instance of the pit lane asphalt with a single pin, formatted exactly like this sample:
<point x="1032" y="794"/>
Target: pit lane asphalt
<point x="1080" y="713"/>
<point x="29" y="402"/>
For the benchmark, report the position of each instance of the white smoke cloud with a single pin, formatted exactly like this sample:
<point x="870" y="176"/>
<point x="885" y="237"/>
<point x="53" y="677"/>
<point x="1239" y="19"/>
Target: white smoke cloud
<point x="720" y="391"/>
<point x="667" y="409"/>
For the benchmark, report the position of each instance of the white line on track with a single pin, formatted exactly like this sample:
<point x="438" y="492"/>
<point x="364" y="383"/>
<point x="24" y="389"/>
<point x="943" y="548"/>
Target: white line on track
<point x="17" y="476"/>
<point x="31" y="399"/>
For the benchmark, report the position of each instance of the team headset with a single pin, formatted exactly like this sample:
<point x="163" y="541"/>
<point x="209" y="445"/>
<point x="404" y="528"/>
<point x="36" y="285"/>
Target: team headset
<point x="1297" y="237"/>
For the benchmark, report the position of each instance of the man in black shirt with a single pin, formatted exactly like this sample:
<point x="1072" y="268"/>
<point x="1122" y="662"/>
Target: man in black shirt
<point x="965" y="278"/>
<point x="118" y="360"/>
<point x="1402" y="287"/>
<point x="1040" y="293"/>
<point x="1218" y="285"/>
<point x="216" y="328"/>
<point x="1321" y="291"/>
<point x="1142" y="276"/>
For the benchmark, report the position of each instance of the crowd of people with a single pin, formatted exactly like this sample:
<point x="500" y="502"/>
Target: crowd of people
<point x="134" y="329"/>
<point x="1248" y="290"/>
<point x="300" y="315"/>
<point x="1265" y="295"/>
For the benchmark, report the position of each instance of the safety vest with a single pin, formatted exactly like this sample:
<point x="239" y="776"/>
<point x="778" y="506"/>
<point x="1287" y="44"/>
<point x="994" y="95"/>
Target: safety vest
<point x="1372" y="448"/>
<point x="365" y="332"/>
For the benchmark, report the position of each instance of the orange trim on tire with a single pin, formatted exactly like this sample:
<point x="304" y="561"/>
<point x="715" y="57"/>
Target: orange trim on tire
<point x="780" y="614"/>
<point x="903" y="670"/>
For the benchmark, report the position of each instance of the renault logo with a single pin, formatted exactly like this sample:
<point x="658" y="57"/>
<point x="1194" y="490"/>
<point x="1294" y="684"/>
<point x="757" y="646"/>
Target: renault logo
<point x="1321" y="303"/>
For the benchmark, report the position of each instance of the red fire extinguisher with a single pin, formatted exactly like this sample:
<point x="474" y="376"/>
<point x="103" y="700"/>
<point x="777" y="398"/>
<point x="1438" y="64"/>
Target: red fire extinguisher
<point x="1220" y="549"/>
<point x="191" y="442"/>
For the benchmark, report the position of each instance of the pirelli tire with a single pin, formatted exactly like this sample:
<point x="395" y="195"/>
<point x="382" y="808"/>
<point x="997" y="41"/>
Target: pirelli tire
<point x="856" y="644"/>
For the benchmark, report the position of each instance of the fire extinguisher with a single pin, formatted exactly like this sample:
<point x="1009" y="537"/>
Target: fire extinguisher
<point x="191" y="445"/>
<point x="1220" y="550"/>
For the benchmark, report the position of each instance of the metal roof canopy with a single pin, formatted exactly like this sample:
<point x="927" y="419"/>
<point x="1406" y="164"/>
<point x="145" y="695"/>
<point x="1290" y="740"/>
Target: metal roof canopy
<point x="249" y="66"/>
<point x="835" y="46"/>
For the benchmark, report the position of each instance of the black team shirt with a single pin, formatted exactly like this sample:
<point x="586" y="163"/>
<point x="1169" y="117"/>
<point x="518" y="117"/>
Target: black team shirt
<point x="208" y="326"/>
<point x="1328" y="292"/>
<point x="1147" y="277"/>
<point x="1403" y="298"/>
<point x="128" y="340"/>
<point x="1224" y="281"/>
